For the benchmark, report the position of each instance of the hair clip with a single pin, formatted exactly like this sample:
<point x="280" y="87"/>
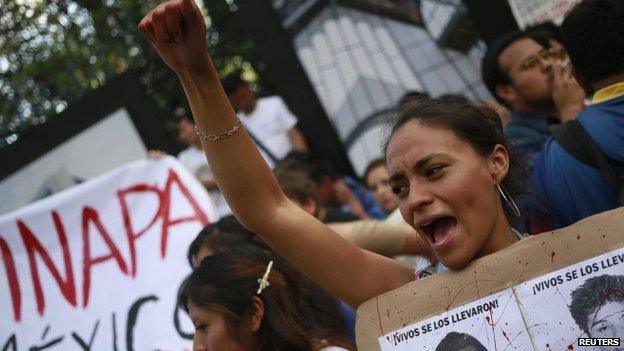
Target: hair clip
<point x="264" y="282"/>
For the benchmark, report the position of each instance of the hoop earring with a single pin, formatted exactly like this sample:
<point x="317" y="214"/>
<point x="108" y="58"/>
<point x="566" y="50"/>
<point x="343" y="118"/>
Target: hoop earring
<point x="509" y="200"/>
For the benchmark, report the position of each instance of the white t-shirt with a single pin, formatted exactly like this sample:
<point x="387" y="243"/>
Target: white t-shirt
<point x="195" y="161"/>
<point x="270" y="122"/>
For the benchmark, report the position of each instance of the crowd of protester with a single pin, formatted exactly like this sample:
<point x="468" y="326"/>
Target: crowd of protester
<point x="459" y="180"/>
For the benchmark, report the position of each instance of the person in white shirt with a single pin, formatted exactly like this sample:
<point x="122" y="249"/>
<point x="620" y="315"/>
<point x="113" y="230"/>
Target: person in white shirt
<point x="267" y="119"/>
<point x="194" y="160"/>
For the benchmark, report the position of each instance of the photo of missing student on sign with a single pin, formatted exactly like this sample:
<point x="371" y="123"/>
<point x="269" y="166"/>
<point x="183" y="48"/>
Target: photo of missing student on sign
<point x="490" y="323"/>
<point x="583" y="300"/>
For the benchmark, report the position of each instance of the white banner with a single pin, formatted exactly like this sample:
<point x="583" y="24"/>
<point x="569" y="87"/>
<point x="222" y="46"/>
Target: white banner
<point x="530" y="12"/>
<point x="97" y="267"/>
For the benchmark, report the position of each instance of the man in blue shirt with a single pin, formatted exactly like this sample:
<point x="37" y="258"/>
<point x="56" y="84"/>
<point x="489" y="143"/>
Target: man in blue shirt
<point x="519" y="70"/>
<point x="593" y="34"/>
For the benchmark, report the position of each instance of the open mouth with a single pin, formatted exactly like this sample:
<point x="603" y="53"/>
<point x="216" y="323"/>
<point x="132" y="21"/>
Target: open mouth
<point x="440" y="230"/>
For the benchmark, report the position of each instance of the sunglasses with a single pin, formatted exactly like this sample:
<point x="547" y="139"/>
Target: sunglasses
<point x="544" y="54"/>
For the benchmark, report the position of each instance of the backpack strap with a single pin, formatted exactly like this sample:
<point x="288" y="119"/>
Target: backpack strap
<point x="575" y="140"/>
<point x="264" y="148"/>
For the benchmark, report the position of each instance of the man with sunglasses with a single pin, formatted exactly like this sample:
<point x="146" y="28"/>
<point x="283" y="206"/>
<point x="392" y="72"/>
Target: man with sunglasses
<point x="533" y="80"/>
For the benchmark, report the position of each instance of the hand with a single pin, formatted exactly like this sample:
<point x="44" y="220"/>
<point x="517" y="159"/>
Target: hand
<point x="566" y="92"/>
<point x="177" y="31"/>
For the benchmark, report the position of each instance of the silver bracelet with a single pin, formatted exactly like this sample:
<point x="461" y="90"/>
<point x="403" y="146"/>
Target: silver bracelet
<point x="217" y="137"/>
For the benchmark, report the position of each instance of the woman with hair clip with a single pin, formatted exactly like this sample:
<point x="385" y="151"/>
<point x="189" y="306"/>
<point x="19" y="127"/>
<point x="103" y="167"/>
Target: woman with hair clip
<point x="316" y="307"/>
<point x="448" y="165"/>
<point x="244" y="300"/>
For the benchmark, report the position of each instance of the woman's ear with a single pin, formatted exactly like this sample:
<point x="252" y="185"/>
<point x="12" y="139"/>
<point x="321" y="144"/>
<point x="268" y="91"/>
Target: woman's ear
<point x="499" y="163"/>
<point x="255" y="321"/>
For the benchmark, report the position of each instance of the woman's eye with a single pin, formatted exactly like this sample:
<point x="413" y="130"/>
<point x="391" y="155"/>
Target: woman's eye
<point x="201" y="327"/>
<point x="433" y="171"/>
<point x="399" y="190"/>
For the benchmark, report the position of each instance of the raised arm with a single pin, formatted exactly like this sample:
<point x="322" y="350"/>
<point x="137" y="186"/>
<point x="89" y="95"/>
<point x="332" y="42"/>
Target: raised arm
<point x="177" y="31"/>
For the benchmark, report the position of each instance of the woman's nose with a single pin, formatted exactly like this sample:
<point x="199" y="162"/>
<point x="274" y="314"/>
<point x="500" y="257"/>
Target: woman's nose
<point x="419" y="198"/>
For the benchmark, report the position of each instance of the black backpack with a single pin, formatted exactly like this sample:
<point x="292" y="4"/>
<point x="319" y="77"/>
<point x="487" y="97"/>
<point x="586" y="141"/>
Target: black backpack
<point x="575" y="140"/>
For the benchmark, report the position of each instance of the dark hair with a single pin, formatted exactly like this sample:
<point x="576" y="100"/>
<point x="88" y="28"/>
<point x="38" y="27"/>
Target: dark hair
<point x="592" y="34"/>
<point x="544" y="32"/>
<point x="480" y="126"/>
<point x="378" y="162"/>
<point x="491" y="72"/>
<point x="298" y="185"/>
<point x="316" y="168"/>
<point x="457" y="97"/>
<point x="595" y="292"/>
<point x="411" y="97"/>
<point x="456" y="341"/>
<point x="227" y="282"/>
<point x="224" y="234"/>
<point x="316" y="306"/>
<point x="232" y="82"/>
<point x="296" y="161"/>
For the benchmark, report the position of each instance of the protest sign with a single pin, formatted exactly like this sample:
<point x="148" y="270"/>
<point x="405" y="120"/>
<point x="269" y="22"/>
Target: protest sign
<point x="582" y="290"/>
<point x="492" y="322"/>
<point x="530" y="12"/>
<point x="98" y="266"/>
<point x="536" y="279"/>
